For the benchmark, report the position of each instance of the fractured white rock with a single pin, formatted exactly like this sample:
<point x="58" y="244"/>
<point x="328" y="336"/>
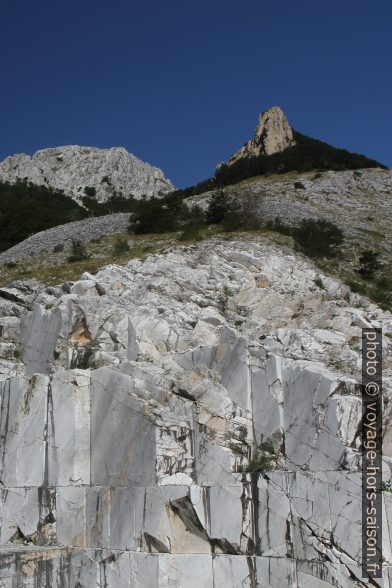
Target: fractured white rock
<point x="161" y="435"/>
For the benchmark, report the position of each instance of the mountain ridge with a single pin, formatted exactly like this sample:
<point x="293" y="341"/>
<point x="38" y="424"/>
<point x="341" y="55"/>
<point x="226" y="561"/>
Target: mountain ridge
<point x="81" y="171"/>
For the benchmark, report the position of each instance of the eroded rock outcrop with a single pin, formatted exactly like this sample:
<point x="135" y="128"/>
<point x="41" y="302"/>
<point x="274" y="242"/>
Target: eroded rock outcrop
<point x="187" y="433"/>
<point x="72" y="168"/>
<point x="273" y="134"/>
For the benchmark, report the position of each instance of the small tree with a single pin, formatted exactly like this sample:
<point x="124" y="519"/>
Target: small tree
<point x="79" y="252"/>
<point x="120" y="247"/>
<point x="90" y="191"/>
<point x="193" y="225"/>
<point x="234" y="213"/>
<point x="369" y="264"/>
<point x="218" y="208"/>
<point x="157" y="215"/>
<point x="318" y="238"/>
<point x="243" y="214"/>
<point x="250" y="216"/>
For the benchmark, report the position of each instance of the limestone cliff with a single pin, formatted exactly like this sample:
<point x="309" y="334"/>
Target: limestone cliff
<point x="189" y="420"/>
<point x="73" y="169"/>
<point x="273" y="134"/>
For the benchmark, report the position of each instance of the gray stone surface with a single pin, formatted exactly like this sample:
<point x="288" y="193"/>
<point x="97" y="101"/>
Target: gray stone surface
<point x="40" y="330"/>
<point x="85" y="231"/>
<point x="72" y="168"/>
<point x="178" y="428"/>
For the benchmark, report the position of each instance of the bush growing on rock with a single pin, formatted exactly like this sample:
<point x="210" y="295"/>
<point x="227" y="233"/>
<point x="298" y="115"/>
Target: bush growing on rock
<point x="217" y="209"/>
<point x="319" y="283"/>
<point x="234" y="213"/>
<point x="116" y="203"/>
<point x="157" y="215"/>
<point x="120" y="247"/>
<point x="193" y="226"/>
<point x="279" y="226"/>
<point x="258" y="463"/>
<point x="369" y="264"/>
<point x="79" y="252"/>
<point x="318" y="238"/>
<point x="90" y="191"/>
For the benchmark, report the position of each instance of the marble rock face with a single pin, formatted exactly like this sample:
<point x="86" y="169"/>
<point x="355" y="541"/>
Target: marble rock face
<point x="158" y="430"/>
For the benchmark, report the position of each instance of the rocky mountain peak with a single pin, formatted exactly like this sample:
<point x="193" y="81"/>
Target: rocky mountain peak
<point x="273" y="134"/>
<point x="73" y="168"/>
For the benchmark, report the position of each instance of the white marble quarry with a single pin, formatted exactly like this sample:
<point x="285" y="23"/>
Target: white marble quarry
<point x="155" y="437"/>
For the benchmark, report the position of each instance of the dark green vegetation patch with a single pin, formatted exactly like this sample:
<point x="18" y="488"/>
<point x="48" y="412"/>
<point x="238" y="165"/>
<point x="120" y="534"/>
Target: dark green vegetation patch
<point x="306" y="155"/>
<point x="26" y="209"/>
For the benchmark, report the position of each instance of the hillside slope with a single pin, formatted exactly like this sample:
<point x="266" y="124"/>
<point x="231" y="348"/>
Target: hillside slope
<point x="360" y="202"/>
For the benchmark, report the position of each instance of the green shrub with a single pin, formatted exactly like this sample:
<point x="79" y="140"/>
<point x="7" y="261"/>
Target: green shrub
<point x="232" y="220"/>
<point x="116" y="203"/>
<point x="257" y="463"/>
<point x="235" y="213"/>
<point x="369" y="264"/>
<point x="384" y="282"/>
<point x="318" y="238"/>
<point x="90" y="191"/>
<point x="218" y="207"/>
<point x="193" y="225"/>
<point x="278" y="226"/>
<point x="319" y="283"/>
<point x="381" y="297"/>
<point x="299" y="186"/>
<point x="386" y="486"/>
<point x="120" y="247"/>
<point x="79" y="252"/>
<point x="357" y="287"/>
<point x="10" y="264"/>
<point x="26" y="209"/>
<point x="85" y="357"/>
<point x="157" y="215"/>
<point x="58" y="248"/>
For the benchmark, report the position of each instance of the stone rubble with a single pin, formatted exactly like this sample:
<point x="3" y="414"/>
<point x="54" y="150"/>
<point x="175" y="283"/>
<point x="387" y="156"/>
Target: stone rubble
<point x="182" y="422"/>
<point x="360" y="201"/>
<point x="84" y="230"/>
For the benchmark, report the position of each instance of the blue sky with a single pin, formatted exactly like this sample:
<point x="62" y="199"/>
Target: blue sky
<point x="181" y="83"/>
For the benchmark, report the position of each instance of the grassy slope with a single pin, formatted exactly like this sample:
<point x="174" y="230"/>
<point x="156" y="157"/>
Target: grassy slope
<point x="54" y="269"/>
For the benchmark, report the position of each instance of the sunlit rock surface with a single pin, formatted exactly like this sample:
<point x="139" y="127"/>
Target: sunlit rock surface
<point x="272" y="135"/>
<point x="72" y="168"/>
<point x="187" y="421"/>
